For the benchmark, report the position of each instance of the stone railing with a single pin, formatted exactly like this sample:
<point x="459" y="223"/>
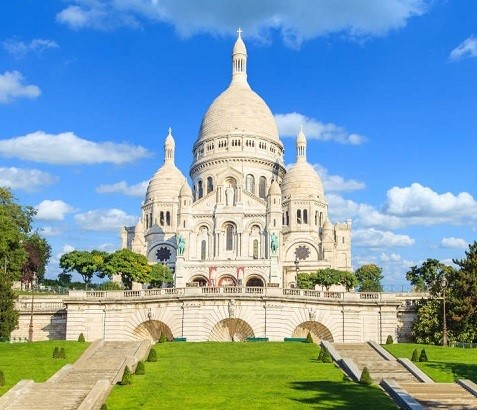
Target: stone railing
<point x="236" y="291"/>
<point x="24" y="305"/>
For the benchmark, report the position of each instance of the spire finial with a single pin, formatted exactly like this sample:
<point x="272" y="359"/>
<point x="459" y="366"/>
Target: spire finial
<point x="239" y="31"/>
<point x="170" y="131"/>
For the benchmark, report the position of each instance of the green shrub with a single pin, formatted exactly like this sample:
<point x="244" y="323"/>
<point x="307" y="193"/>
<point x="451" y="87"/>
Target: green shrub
<point x="389" y="340"/>
<point x="127" y="377"/>
<point x="423" y="356"/>
<point x="140" y="368"/>
<point x="104" y="406"/>
<point x="152" y="356"/>
<point x="365" y="377"/>
<point x="2" y="378"/>
<point x="62" y="353"/>
<point x="326" y="357"/>
<point x="81" y="338"/>
<point x="320" y="355"/>
<point x="309" y="339"/>
<point x="162" y="337"/>
<point x="415" y="356"/>
<point x="56" y="353"/>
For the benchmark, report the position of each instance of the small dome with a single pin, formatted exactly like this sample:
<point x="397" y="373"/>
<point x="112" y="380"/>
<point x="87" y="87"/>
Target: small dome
<point x="185" y="190"/>
<point x="301" y="139"/>
<point x="274" y="188"/>
<point x="302" y="182"/>
<point x="165" y="184"/>
<point x="239" y="47"/>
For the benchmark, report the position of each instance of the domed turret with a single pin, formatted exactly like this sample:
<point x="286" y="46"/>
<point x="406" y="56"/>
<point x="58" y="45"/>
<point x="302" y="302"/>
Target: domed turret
<point x="301" y="181"/>
<point x="167" y="181"/>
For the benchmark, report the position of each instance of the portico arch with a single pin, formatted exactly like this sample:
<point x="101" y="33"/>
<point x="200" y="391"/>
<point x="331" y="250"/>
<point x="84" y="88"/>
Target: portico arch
<point x="152" y="329"/>
<point x="227" y="280"/>
<point x="317" y="330"/>
<point x="199" y="280"/>
<point x="255" y="280"/>
<point x="231" y="330"/>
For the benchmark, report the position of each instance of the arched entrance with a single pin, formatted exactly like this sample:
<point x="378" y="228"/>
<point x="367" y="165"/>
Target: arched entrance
<point x="231" y="330"/>
<point x="255" y="281"/>
<point x="317" y="330"/>
<point x="152" y="329"/>
<point x="199" y="281"/>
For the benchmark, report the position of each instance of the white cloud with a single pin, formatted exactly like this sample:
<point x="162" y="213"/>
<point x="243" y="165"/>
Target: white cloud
<point x="380" y="239"/>
<point x="12" y="87"/>
<point x="454" y="243"/>
<point x="336" y="183"/>
<point x="20" y="48"/>
<point x="289" y="125"/>
<point x="296" y="21"/>
<point x="25" y="179"/>
<point x="105" y="220"/>
<point x="55" y="210"/>
<point x="422" y="203"/>
<point x="66" y="148"/>
<point x="468" y="48"/>
<point x="122" y="187"/>
<point x="50" y="231"/>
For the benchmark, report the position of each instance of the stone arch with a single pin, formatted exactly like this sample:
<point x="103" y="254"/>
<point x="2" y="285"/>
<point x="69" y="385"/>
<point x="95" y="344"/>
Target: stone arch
<point x="255" y="280"/>
<point x="152" y="329"/>
<point x="231" y="330"/>
<point x="317" y="330"/>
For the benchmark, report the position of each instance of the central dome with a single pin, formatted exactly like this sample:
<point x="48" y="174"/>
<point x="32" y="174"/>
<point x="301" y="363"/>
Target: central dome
<point x="238" y="110"/>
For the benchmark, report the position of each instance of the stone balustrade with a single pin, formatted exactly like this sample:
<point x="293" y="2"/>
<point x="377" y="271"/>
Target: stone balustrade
<point x="234" y="291"/>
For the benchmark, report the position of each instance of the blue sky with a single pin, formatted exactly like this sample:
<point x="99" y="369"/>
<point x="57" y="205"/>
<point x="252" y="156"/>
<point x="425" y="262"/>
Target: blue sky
<point x="385" y="91"/>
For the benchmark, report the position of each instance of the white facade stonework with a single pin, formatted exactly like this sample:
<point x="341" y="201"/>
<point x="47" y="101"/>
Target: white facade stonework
<point x="246" y="220"/>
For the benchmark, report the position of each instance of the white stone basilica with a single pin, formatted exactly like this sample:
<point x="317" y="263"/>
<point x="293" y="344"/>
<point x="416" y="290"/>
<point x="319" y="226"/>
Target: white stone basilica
<point x="247" y="219"/>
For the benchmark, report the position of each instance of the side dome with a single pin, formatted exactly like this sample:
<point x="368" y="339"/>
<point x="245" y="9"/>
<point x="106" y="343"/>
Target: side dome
<point x="166" y="183"/>
<point x="302" y="182"/>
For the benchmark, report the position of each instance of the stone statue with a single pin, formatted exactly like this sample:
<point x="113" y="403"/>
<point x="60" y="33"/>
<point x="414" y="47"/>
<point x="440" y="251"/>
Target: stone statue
<point x="312" y="314"/>
<point x="180" y="245"/>
<point x="229" y="196"/>
<point x="274" y="243"/>
<point x="231" y="308"/>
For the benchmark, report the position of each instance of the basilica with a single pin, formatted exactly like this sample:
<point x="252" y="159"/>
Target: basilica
<point x="246" y="220"/>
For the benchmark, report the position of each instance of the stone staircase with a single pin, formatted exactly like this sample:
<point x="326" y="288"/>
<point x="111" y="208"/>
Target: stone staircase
<point x="363" y="355"/>
<point x="405" y="383"/>
<point x="84" y="385"/>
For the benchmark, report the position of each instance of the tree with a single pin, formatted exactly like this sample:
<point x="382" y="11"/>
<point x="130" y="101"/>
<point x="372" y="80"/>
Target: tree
<point x="328" y="277"/>
<point x="160" y="274"/>
<point x="427" y="327"/>
<point x="348" y="280"/>
<point x="306" y="280"/>
<point x="15" y="226"/>
<point x="132" y="267"/>
<point x="427" y="277"/>
<point x="369" y="278"/>
<point x="462" y="297"/>
<point x="365" y="377"/>
<point x="38" y="254"/>
<point x="85" y="263"/>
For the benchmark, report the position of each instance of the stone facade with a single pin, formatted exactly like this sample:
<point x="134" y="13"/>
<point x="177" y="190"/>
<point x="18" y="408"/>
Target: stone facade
<point x="247" y="220"/>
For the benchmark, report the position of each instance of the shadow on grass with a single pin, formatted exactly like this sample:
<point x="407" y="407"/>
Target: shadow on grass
<point x="458" y="370"/>
<point x="342" y="395"/>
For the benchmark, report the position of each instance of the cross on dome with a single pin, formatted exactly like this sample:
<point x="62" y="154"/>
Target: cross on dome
<point x="239" y="31"/>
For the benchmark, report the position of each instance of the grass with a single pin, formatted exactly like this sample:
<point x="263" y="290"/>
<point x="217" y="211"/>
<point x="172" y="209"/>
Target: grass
<point x="34" y="361"/>
<point x="243" y="376"/>
<point x="445" y="365"/>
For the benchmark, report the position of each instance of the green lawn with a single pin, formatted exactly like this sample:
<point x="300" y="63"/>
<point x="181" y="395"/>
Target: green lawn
<point x="34" y="360"/>
<point x="445" y="364"/>
<point x="243" y="376"/>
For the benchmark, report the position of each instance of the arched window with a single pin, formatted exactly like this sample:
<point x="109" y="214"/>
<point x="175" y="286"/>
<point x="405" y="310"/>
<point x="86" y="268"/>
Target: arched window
<point x="298" y="216"/>
<point x="250" y="183"/>
<point x="262" y="187"/>
<point x="201" y="190"/>
<point x="316" y="217"/>
<point x="321" y="218"/>
<point x="203" y="250"/>
<point x="210" y="184"/>
<point x="287" y="218"/>
<point x="255" y="249"/>
<point x="305" y="216"/>
<point x="229" y="238"/>
<point x="168" y="218"/>
<point x="161" y="218"/>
